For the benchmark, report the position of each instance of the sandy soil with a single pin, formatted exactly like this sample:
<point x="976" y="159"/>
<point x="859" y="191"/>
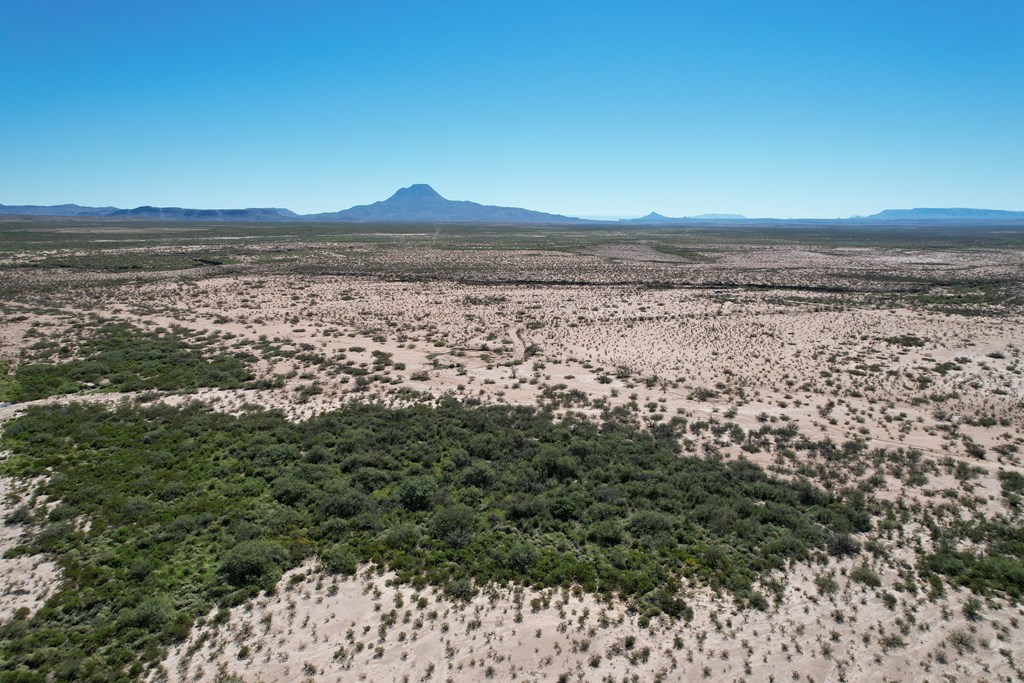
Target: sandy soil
<point x="25" y="580"/>
<point x="323" y="628"/>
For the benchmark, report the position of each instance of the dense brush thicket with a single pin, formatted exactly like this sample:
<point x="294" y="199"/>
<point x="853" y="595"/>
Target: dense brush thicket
<point x="188" y="507"/>
<point x="119" y="357"/>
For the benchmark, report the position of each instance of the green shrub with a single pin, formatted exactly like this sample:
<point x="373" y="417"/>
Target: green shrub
<point x="339" y="559"/>
<point x="460" y="589"/>
<point x="453" y="525"/>
<point x="827" y="585"/>
<point x="866" y="575"/>
<point x="254" y="563"/>
<point x="417" y="492"/>
<point x="972" y="608"/>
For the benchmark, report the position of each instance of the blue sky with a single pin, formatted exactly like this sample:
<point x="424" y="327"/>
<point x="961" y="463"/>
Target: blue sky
<point x="793" y="109"/>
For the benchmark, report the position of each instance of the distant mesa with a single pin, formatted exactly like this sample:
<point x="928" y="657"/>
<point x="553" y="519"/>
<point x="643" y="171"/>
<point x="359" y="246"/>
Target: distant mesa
<point x="173" y="213"/>
<point x="946" y="215"/>
<point x="654" y="217"/>
<point x="58" y="210"/>
<point x="719" y="217"/>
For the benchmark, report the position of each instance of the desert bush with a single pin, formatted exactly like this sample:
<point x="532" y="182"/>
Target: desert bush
<point x="339" y="559"/>
<point x="866" y="575"/>
<point x="254" y="563"/>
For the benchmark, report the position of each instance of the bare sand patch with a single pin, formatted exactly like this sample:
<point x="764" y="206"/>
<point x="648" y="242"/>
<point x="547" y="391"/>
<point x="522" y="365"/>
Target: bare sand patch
<point x="324" y="628"/>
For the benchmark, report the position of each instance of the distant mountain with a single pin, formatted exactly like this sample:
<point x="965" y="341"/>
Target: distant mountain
<point x="945" y="215"/>
<point x="59" y="210"/>
<point x="719" y="217"/>
<point x="153" y="212"/>
<point x="173" y="213"/>
<point x="658" y="218"/>
<point x="652" y="217"/>
<point x="413" y="204"/>
<point x="422" y="204"/>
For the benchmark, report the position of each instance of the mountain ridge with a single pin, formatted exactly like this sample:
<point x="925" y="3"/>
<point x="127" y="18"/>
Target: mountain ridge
<point x="421" y="203"/>
<point x="418" y="203"/>
<point x="57" y="210"/>
<point x="178" y="213"/>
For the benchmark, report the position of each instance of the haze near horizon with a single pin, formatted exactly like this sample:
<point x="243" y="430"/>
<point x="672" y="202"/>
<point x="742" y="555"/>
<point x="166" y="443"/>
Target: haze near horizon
<point x="796" y="109"/>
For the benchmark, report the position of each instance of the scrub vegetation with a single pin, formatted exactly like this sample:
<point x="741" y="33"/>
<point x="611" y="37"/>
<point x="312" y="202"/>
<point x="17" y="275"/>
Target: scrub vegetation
<point x="188" y="507"/>
<point x="119" y="357"/>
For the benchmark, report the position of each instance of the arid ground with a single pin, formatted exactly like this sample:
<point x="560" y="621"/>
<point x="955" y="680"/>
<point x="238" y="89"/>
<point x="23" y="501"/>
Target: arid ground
<point x="900" y="348"/>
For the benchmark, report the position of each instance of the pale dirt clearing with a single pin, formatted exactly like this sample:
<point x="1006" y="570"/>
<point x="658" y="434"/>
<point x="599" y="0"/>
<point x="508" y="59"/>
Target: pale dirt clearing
<point x="323" y="628"/>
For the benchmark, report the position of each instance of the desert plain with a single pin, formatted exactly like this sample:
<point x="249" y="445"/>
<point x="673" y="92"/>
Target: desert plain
<point x="877" y="363"/>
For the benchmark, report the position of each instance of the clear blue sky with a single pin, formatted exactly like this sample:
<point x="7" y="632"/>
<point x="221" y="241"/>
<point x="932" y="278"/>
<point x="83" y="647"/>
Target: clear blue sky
<point x="788" y="108"/>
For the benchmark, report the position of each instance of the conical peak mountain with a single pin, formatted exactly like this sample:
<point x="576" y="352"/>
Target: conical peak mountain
<point x="421" y="203"/>
<point x="417" y="192"/>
